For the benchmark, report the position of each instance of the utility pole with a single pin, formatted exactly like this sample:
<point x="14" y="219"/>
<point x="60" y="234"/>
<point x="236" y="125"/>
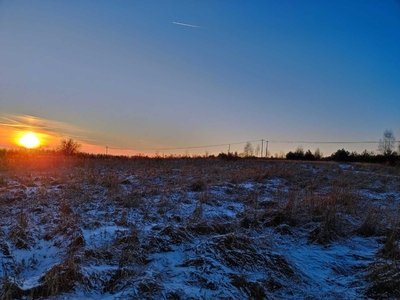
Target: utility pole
<point x="266" y="150"/>
<point x="106" y="150"/>
<point x="229" y="149"/>
<point x="262" y="147"/>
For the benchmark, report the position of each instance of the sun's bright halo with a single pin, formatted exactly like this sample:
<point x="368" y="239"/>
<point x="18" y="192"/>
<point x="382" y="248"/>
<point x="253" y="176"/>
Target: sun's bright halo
<point x="29" y="140"/>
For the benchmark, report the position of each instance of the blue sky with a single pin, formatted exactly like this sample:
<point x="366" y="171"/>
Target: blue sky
<point x="124" y="75"/>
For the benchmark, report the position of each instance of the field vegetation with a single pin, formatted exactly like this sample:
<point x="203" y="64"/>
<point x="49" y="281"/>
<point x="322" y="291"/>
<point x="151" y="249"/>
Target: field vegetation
<point x="80" y="226"/>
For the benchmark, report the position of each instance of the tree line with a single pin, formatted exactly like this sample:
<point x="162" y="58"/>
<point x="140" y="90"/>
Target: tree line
<point x="386" y="153"/>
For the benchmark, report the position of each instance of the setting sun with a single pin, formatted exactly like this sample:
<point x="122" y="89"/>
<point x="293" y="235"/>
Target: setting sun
<point x="29" y="140"/>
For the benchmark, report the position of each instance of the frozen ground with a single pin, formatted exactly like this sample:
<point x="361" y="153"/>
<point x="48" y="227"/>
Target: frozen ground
<point x="199" y="229"/>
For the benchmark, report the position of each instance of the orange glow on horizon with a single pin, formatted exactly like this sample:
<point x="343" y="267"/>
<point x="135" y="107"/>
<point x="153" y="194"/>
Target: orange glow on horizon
<point x="38" y="133"/>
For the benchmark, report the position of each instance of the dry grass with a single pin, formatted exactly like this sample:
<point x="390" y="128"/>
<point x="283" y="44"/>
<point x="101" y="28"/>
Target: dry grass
<point x="222" y="214"/>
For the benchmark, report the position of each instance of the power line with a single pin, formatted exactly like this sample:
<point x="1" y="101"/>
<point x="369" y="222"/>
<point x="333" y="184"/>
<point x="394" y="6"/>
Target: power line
<point x="324" y="142"/>
<point x="184" y="148"/>
<point x="238" y="143"/>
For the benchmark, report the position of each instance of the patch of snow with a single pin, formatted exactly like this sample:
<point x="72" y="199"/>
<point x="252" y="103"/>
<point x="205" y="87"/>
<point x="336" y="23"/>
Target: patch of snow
<point x="346" y="167"/>
<point x="101" y="236"/>
<point x="335" y="269"/>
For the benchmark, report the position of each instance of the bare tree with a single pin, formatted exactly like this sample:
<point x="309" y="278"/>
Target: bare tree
<point x="69" y="147"/>
<point x="257" y="150"/>
<point x="387" y="144"/>
<point x="318" y="154"/>
<point x="299" y="151"/>
<point x="248" y="150"/>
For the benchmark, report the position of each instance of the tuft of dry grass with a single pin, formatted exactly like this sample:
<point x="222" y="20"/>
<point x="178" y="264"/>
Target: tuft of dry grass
<point x="373" y="224"/>
<point x="384" y="280"/>
<point x="254" y="290"/>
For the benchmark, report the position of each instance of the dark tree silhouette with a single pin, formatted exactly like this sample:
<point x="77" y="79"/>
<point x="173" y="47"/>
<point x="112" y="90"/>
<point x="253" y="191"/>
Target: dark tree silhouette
<point x="341" y="155"/>
<point x="68" y="147"/>
<point x="309" y="156"/>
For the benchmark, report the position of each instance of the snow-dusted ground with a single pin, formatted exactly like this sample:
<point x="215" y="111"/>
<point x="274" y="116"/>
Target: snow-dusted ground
<point x="199" y="229"/>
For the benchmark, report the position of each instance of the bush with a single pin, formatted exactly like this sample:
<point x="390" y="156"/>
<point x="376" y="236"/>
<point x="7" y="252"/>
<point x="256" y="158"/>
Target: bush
<point x="300" y="155"/>
<point x="309" y="156"/>
<point x="69" y="147"/>
<point x="229" y="156"/>
<point x="341" y="155"/>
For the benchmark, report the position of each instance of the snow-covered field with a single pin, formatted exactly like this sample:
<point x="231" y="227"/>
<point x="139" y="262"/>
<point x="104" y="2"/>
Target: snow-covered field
<point x="198" y="229"/>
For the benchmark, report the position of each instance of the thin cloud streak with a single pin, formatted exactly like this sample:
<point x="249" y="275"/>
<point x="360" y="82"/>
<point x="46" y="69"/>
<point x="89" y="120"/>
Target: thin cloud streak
<point x="51" y="131"/>
<point x="27" y="122"/>
<point x="185" y="24"/>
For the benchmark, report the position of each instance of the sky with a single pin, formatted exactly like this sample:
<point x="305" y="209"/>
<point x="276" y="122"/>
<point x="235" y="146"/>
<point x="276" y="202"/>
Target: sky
<point x="174" y="76"/>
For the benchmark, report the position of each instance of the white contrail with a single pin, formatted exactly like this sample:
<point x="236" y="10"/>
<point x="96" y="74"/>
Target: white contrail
<point x="184" y="24"/>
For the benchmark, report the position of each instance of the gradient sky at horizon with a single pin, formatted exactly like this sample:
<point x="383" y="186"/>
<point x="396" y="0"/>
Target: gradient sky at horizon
<point x="126" y="74"/>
